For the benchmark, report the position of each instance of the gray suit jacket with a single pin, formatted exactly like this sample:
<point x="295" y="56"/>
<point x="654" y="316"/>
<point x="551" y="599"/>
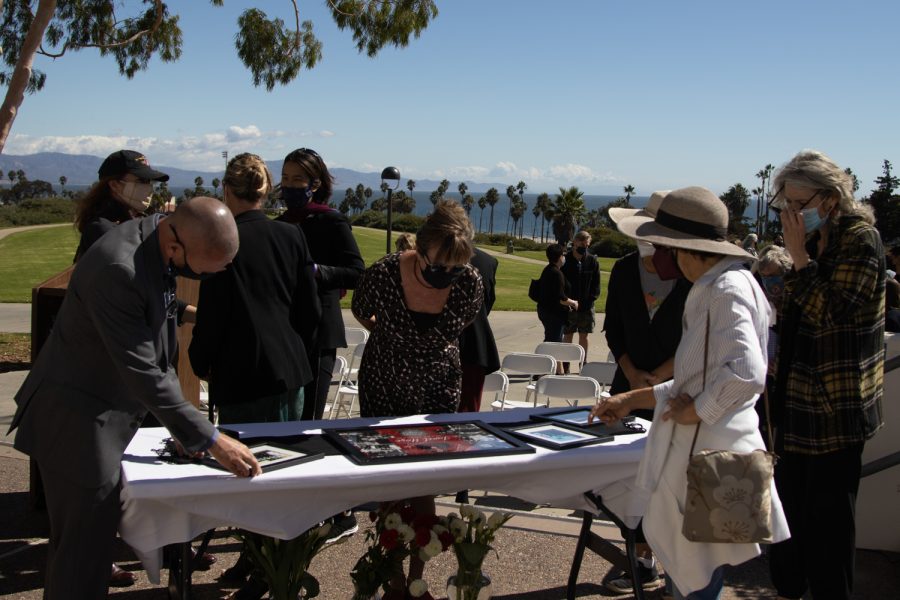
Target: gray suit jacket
<point x="107" y="361"/>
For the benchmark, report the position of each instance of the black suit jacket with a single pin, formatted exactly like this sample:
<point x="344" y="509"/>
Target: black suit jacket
<point x="107" y="361"/>
<point x="584" y="284"/>
<point x="629" y="330"/>
<point x="476" y="342"/>
<point x="256" y="319"/>
<point x="339" y="263"/>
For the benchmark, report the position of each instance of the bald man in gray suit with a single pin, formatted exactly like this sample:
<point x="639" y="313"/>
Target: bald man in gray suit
<point x="108" y="360"/>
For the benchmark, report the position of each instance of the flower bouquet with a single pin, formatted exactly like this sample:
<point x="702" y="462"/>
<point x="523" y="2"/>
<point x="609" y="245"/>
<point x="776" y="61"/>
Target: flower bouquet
<point x="285" y="563"/>
<point x="397" y="534"/>
<point x="472" y="535"/>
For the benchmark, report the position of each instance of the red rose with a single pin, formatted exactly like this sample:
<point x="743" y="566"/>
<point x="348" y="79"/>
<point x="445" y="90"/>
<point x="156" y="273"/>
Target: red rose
<point x="446" y="539"/>
<point x="389" y="538"/>
<point x="423" y="536"/>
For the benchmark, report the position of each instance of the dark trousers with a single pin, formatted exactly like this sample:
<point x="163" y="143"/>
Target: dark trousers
<point x="317" y="390"/>
<point x="83" y="524"/>
<point x="554" y="322"/>
<point x="818" y="493"/>
<point x="472" y="386"/>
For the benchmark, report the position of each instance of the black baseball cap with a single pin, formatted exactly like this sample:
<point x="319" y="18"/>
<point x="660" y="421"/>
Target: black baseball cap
<point x="128" y="161"/>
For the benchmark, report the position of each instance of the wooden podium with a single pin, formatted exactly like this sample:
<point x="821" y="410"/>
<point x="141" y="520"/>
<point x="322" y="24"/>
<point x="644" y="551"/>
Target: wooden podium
<point x="47" y="298"/>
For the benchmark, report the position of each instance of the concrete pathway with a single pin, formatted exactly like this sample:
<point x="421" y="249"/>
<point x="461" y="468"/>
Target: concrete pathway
<point x="15" y="317"/>
<point x="5" y="231"/>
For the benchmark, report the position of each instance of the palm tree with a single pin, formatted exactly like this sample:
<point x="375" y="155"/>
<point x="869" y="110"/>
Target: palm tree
<point x="481" y="204"/>
<point x="62" y="185"/>
<point x="367" y="193"/>
<point x="467" y="203"/>
<point x="410" y="185"/>
<point x="434" y="197"/>
<point x="569" y="209"/>
<point x="198" y="181"/>
<point x="492" y="196"/>
<point x="517" y="211"/>
<point x="12" y="177"/>
<point x="384" y="188"/>
<point x="359" y="203"/>
<point x="511" y="194"/>
<point x="765" y="176"/>
<point x="443" y="187"/>
<point x="216" y="183"/>
<point x="544" y="204"/>
<point x="629" y="192"/>
<point x="536" y="213"/>
<point x="20" y="175"/>
<point x="463" y="188"/>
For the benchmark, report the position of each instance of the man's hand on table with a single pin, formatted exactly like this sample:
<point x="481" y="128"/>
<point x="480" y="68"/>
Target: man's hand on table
<point x="234" y="456"/>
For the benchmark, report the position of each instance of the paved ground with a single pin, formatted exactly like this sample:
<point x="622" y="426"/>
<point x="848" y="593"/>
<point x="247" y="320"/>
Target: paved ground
<point x="5" y="231"/>
<point x="534" y="551"/>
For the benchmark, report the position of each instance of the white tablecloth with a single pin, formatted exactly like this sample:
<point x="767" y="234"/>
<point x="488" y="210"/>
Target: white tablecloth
<point x="165" y="503"/>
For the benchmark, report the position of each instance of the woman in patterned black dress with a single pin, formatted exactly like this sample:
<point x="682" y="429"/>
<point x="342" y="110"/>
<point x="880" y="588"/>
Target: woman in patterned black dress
<point x="416" y="303"/>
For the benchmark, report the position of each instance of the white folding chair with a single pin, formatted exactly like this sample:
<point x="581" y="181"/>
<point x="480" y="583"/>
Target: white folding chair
<point x="570" y="388"/>
<point x="355" y="335"/>
<point x="352" y="369"/>
<point x="523" y="363"/>
<point x="344" y="388"/>
<point x="562" y="352"/>
<point x="498" y="384"/>
<point x="602" y="372"/>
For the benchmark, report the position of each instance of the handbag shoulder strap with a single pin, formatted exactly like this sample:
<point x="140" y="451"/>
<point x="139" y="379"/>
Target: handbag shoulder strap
<point x="705" y="359"/>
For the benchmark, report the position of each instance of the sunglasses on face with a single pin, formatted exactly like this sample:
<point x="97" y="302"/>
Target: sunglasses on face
<point x="436" y="267"/>
<point x="792" y="204"/>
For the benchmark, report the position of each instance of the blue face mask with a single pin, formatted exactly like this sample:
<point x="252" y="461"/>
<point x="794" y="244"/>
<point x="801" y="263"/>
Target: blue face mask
<point x="811" y="219"/>
<point x="295" y="198"/>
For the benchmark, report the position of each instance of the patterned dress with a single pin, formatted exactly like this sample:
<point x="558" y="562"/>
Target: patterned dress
<point x="406" y="370"/>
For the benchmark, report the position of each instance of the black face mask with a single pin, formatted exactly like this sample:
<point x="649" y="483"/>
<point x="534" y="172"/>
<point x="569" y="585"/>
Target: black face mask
<point x="579" y="250"/>
<point x="186" y="271"/>
<point x="295" y="198"/>
<point x="438" y="276"/>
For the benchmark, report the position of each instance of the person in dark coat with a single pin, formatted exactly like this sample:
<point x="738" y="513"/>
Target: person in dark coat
<point x="306" y="187"/>
<point x="582" y="272"/>
<point x="554" y="303"/>
<point x="477" y="348"/>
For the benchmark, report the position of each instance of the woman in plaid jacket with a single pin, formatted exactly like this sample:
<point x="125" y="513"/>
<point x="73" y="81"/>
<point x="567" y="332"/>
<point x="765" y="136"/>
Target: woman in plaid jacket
<point x="829" y="371"/>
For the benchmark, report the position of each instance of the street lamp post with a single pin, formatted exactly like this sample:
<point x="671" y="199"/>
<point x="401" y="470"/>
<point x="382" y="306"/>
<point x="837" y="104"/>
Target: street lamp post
<point x="390" y="176"/>
<point x="225" y="156"/>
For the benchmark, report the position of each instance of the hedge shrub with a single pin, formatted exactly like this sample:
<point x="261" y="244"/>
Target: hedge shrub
<point x="38" y="212"/>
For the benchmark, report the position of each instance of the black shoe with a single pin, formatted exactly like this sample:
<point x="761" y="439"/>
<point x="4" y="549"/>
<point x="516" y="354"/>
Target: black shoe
<point x="342" y="526"/>
<point x="239" y="572"/>
<point x="254" y="589"/>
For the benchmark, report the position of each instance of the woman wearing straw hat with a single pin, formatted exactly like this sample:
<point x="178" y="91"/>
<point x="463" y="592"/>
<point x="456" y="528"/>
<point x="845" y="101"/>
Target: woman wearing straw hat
<point x="828" y="374"/>
<point x="726" y="301"/>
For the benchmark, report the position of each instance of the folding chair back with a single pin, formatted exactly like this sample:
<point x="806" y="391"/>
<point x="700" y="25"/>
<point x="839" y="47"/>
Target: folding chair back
<point x="570" y="388"/>
<point x="602" y="372"/>
<point x="344" y="388"/>
<point x="355" y="335"/>
<point x="498" y="384"/>
<point x="526" y="364"/>
<point x="353" y="364"/>
<point x="562" y="351"/>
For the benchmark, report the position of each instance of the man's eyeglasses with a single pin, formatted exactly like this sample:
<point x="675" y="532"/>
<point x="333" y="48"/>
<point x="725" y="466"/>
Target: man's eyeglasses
<point x="435" y="268"/>
<point x="792" y="204"/>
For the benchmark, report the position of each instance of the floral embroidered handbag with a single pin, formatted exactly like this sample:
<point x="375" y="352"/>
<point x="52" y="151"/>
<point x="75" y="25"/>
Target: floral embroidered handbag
<point x="728" y="498"/>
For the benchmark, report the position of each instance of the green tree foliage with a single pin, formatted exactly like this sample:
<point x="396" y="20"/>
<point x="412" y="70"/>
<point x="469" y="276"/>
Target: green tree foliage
<point x="545" y="204"/>
<point x="481" y="204"/>
<point x="462" y="188"/>
<point x="468" y="202"/>
<point x="410" y="185"/>
<point x="134" y="33"/>
<point x="886" y="204"/>
<point x="492" y="196"/>
<point x="736" y="199"/>
<point x="25" y="189"/>
<point x="568" y="211"/>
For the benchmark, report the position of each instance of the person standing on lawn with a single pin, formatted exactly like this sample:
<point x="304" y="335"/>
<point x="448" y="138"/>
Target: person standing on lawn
<point x="582" y="272"/>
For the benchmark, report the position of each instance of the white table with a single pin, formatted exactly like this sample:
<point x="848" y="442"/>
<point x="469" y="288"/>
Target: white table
<point x="167" y="504"/>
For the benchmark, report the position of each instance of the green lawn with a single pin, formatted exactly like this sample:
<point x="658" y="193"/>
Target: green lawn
<point x="30" y="257"/>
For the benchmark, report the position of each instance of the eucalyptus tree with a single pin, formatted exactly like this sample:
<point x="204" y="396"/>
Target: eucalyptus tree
<point x="492" y="196"/>
<point x="136" y="33"/>
<point x="569" y="210"/>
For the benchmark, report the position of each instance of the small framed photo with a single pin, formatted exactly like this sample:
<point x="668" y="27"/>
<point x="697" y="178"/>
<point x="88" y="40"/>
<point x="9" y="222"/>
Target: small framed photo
<point x="425" y="441"/>
<point x="271" y="457"/>
<point x="557" y="437"/>
<point x="578" y="417"/>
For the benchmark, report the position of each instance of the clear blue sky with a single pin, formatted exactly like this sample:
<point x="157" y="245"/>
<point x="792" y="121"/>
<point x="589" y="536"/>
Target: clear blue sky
<point x="593" y="93"/>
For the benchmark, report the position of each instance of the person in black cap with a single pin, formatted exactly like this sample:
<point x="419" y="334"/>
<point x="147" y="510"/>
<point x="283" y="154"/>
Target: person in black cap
<point x="122" y="193"/>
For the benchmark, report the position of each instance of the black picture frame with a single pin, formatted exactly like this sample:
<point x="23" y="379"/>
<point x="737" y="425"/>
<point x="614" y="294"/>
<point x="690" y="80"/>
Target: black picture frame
<point x="271" y="456"/>
<point x="557" y="436"/>
<point x="576" y="416"/>
<point x="385" y="444"/>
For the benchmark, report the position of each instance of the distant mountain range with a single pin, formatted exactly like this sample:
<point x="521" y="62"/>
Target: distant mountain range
<point x="80" y="170"/>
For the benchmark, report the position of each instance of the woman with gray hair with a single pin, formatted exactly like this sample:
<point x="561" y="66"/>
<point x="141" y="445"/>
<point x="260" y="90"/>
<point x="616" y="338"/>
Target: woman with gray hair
<point x="828" y="373"/>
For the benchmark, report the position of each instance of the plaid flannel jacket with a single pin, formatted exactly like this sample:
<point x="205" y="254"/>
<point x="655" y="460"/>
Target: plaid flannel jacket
<point x="830" y="365"/>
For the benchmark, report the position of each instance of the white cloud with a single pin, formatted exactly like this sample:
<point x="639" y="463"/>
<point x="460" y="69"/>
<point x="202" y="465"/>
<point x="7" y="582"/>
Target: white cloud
<point x="326" y="134"/>
<point x="238" y="134"/>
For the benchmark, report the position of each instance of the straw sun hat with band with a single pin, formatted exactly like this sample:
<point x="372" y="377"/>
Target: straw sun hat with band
<point x="691" y="218"/>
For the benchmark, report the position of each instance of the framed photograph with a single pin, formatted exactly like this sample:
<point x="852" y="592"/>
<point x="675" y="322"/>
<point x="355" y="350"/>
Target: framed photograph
<point x="578" y="417"/>
<point x="425" y="441"/>
<point x="557" y="437"/>
<point x="271" y="457"/>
